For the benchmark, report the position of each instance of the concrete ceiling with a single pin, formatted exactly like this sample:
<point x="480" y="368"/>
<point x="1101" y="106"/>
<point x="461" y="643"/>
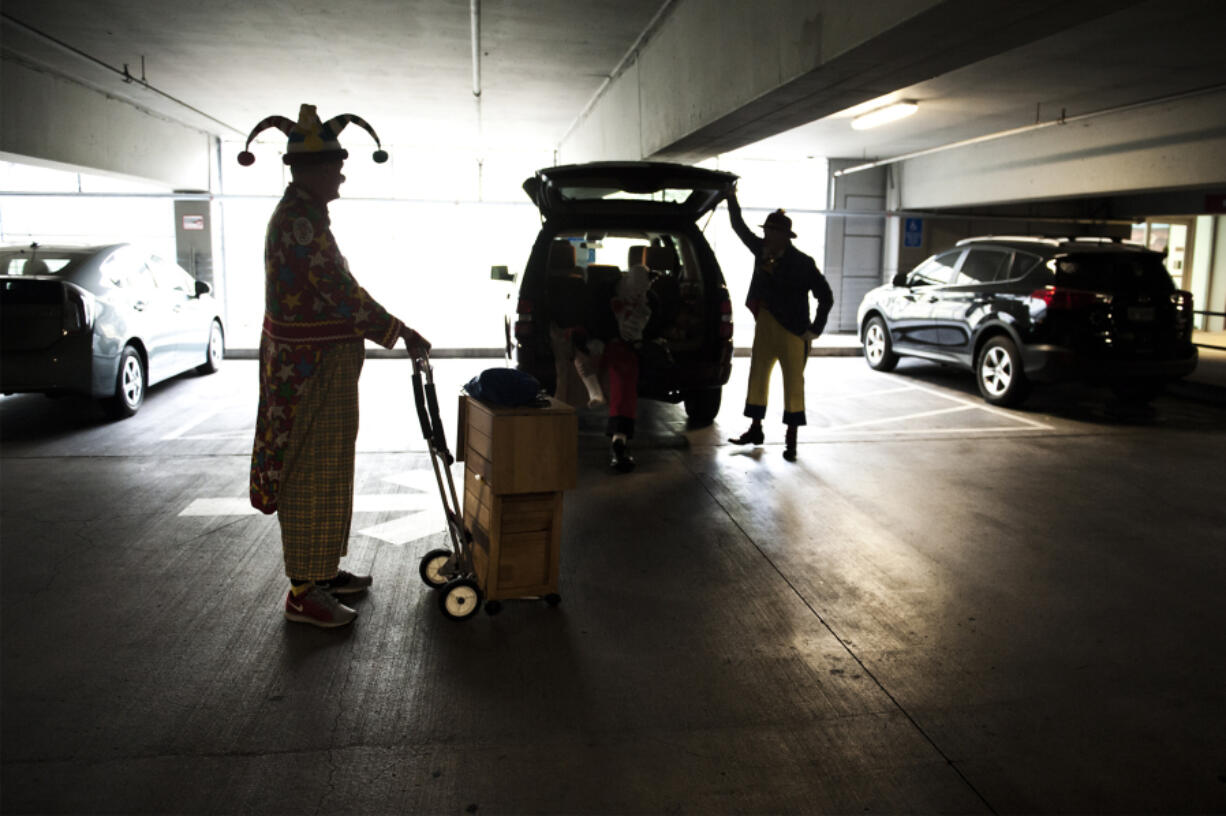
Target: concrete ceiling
<point x="1148" y="51"/>
<point x="403" y="65"/>
<point x="406" y="66"/>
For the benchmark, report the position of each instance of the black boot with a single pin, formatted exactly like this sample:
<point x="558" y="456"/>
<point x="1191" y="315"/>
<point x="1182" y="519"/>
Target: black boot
<point x="789" y="444"/>
<point x="619" y="456"/>
<point x="753" y="436"/>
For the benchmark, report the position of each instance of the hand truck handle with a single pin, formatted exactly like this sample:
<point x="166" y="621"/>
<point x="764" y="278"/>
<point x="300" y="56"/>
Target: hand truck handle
<point x="427" y="407"/>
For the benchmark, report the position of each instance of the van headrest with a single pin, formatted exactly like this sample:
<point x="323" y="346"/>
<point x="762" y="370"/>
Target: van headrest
<point x="561" y="256"/>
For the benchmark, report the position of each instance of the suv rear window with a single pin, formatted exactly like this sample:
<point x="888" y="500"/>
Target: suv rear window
<point x="670" y="195"/>
<point x="1114" y="273"/>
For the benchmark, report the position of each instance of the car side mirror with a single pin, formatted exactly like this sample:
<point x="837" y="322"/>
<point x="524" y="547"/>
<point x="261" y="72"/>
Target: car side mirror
<point x="900" y="279"/>
<point x="203" y="288"/>
<point x="501" y="273"/>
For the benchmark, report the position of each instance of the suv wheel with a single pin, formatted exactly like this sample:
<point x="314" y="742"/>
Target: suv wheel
<point x="999" y="373"/>
<point x="878" y="350"/>
<point x="701" y="406"/>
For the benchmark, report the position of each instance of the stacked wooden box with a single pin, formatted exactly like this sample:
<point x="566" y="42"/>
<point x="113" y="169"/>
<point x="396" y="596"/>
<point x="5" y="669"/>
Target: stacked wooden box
<point x="517" y="462"/>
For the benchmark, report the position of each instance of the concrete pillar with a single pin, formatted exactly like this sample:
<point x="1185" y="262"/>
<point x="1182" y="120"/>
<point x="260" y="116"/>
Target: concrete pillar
<point x="855" y="245"/>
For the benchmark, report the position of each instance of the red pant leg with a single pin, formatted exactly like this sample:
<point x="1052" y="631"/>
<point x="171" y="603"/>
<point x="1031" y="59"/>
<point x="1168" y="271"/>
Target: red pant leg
<point x="623" y="365"/>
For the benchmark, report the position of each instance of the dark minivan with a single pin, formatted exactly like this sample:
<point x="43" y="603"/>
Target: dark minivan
<point x="602" y="217"/>
<point x="1019" y="309"/>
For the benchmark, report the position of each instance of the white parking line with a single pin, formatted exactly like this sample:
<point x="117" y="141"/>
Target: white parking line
<point x="902" y="418"/>
<point x="860" y="394"/>
<point x="982" y="406"/>
<point x="200" y="419"/>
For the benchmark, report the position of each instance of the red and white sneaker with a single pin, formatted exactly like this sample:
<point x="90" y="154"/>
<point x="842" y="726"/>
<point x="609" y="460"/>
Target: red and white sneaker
<point x="317" y="607"/>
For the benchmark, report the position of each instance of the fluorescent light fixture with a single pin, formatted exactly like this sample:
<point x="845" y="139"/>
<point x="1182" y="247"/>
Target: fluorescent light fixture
<point x="881" y="116"/>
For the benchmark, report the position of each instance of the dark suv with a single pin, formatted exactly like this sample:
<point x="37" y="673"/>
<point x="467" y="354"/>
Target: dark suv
<point x="602" y="217"/>
<point x="1016" y="310"/>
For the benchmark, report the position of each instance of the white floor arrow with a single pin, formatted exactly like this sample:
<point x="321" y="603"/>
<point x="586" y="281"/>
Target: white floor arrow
<point x="423" y="508"/>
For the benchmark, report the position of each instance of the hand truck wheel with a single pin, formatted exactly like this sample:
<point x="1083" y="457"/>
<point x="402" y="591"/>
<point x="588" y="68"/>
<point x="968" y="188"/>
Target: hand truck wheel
<point x="460" y="598"/>
<point x="553" y="599"/>
<point x="431" y="569"/>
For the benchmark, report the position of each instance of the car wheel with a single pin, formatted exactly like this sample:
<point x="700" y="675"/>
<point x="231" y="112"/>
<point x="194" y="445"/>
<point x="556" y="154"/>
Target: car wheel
<point x="701" y="406"/>
<point x="216" y="350"/>
<point x="1002" y="381"/>
<point x="129" y="385"/>
<point x="878" y="350"/>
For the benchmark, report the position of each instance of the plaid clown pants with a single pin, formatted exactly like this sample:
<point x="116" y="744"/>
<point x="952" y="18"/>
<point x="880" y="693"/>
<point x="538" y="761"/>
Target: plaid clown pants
<point x="315" y="505"/>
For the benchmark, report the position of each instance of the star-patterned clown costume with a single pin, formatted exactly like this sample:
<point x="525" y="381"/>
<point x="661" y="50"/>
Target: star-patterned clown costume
<point x="316" y="318"/>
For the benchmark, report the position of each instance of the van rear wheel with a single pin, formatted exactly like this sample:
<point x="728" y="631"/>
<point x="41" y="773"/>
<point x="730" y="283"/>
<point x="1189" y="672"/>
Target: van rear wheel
<point x="701" y="406"/>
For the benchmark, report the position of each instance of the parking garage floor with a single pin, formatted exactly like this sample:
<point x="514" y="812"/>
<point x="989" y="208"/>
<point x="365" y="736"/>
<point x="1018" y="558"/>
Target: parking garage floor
<point x="941" y="607"/>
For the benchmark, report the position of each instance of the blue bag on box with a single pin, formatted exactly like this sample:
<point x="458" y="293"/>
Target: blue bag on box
<point x="506" y="386"/>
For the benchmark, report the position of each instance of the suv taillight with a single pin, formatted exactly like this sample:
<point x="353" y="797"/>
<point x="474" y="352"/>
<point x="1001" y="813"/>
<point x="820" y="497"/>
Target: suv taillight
<point x="523" y="321"/>
<point x="1183" y="311"/>
<point x="725" y="318"/>
<point x="79" y="309"/>
<point x="1060" y="297"/>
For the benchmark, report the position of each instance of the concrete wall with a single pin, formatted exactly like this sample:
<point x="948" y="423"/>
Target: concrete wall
<point x="1161" y="147"/>
<point x="47" y="116"/>
<point x="1214" y="299"/>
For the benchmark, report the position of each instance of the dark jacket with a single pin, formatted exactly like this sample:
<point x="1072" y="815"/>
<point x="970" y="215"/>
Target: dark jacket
<point x="783" y="287"/>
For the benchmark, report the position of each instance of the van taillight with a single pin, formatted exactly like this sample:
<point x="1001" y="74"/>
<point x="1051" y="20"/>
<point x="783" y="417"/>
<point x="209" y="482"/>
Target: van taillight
<point x="1059" y="297"/>
<point x="523" y="322"/>
<point x="725" y="318"/>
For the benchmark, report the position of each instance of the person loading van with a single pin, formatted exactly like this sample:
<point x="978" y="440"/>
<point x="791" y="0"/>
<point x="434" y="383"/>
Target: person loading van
<point x="783" y="277"/>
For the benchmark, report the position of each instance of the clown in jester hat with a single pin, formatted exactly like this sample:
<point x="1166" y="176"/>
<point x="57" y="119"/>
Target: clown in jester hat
<point x="316" y="321"/>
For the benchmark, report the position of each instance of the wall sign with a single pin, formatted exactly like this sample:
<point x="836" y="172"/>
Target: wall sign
<point x="913" y="233"/>
<point x="193" y="222"/>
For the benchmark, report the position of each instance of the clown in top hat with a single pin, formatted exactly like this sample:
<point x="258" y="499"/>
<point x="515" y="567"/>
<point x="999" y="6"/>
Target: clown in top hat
<point x="317" y="320"/>
<point x="784" y="325"/>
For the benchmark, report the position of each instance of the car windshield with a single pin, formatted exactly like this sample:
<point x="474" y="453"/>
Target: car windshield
<point x="21" y="263"/>
<point x="1114" y="273"/>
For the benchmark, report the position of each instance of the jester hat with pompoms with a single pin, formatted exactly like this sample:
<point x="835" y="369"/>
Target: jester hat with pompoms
<point x="311" y="141"/>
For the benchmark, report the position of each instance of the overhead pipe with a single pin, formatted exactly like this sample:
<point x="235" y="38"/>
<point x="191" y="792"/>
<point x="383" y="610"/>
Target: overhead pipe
<point x="474" y="15"/>
<point x="1063" y="120"/>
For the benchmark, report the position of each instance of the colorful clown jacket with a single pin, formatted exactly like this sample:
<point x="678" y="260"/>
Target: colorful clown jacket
<point x="311" y="303"/>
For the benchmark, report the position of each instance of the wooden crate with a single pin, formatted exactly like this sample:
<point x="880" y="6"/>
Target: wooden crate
<point x="519" y="450"/>
<point x="517" y="463"/>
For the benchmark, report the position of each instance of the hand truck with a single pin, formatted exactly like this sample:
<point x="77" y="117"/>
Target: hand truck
<point x="449" y="571"/>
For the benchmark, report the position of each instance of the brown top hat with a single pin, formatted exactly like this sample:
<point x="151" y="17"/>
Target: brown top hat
<point x="777" y="220"/>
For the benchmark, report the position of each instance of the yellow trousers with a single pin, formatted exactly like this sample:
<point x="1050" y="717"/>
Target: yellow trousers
<point x="772" y="343"/>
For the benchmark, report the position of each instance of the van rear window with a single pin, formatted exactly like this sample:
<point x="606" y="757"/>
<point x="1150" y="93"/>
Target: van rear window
<point x="1114" y="273"/>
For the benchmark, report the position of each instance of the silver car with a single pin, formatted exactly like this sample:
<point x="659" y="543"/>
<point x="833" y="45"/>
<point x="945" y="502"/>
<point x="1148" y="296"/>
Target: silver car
<point x="106" y="322"/>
